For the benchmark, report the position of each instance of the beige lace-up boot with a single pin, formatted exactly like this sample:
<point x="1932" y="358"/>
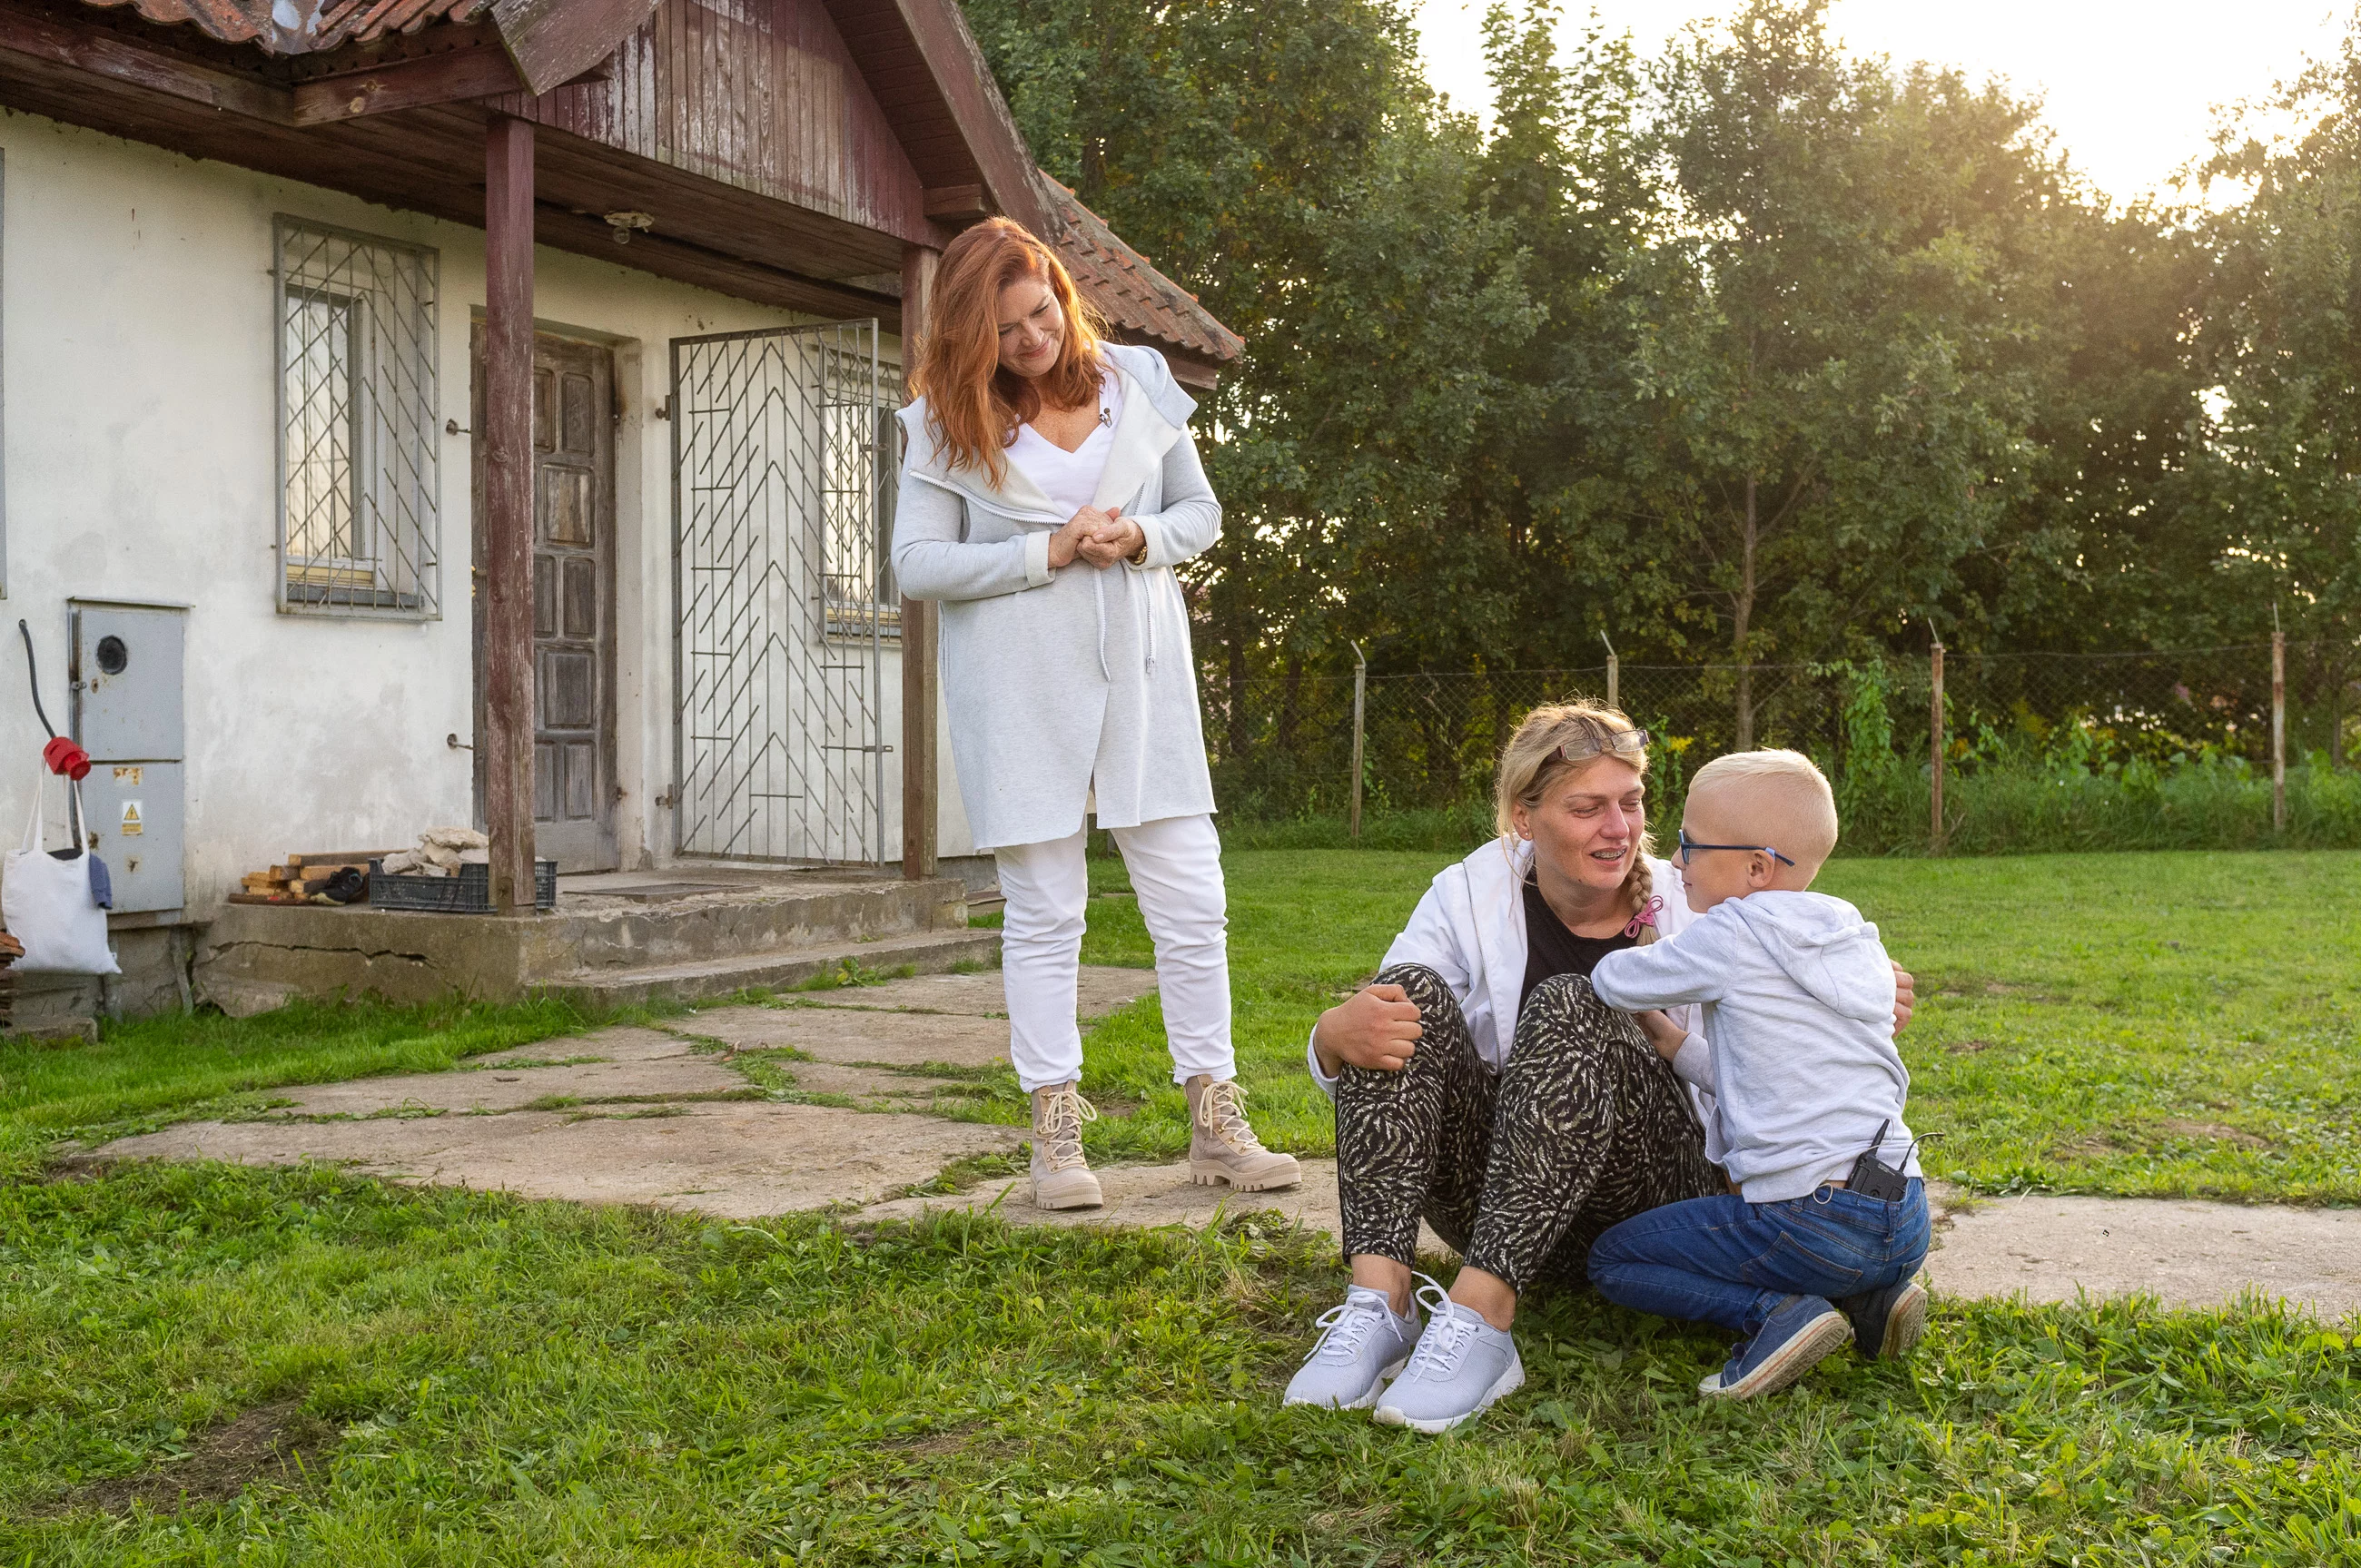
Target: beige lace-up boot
<point x="1224" y="1150"/>
<point x="1061" y="1178"/>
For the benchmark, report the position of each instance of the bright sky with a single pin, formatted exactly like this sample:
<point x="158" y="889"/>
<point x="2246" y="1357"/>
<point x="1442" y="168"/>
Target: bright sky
<point x="2130" y="84"/>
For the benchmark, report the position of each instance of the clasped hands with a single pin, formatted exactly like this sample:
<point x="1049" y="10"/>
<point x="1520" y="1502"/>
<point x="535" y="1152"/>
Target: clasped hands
<point x="1101" y="536"/>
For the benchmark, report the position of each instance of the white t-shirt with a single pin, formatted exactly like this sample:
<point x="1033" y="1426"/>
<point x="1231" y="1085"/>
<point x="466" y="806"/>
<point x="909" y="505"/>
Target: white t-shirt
<point x="1071" y="479"/>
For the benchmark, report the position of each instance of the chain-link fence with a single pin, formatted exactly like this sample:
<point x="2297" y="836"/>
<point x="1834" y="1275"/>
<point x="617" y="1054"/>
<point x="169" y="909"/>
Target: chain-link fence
<point x="1283" y="742"/>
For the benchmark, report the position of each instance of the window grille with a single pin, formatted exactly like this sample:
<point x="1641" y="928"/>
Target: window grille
<point x="359" y="460"/>
<point x="861" y="457"/>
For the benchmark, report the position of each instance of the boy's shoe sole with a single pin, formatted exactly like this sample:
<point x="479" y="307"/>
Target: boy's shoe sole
<point x="1820" y="1339"/>
<point x="1509" y="1382"/>
<point x="1366" y="1400"/>
<point x="1211" y="1173"/>
<point x="1906" y="1321"/>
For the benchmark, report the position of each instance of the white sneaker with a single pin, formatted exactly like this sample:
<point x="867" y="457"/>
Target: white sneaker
<point x="1363" y="1346"/>
<point x="1461" y="1365"/>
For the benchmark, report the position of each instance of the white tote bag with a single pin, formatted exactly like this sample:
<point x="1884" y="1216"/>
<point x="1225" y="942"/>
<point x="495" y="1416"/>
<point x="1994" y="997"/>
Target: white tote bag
<point x="46" y="900"/>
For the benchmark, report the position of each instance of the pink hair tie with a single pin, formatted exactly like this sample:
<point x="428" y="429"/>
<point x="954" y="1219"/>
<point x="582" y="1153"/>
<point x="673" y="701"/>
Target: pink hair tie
<point x="1647" y="916"/>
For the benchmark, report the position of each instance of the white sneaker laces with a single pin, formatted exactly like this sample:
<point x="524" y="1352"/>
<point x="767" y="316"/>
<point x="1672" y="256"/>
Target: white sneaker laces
<point x="1348" y="1325"/>
<point x="1222" y="1111"/>
<point x="1450" y="1330"/>
<point x="1057" y="1118"/>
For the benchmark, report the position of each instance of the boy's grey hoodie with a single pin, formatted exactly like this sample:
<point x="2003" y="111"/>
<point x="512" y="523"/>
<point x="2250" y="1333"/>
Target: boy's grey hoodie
<point x="1798" y="999"/>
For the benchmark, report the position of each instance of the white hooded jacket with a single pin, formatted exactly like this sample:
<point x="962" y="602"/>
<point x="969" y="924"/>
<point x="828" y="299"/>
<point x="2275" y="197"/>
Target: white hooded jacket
<point x="1798" y="1000"/>
<point x="1470" y="929"/>
<point x="1078" y="684"/>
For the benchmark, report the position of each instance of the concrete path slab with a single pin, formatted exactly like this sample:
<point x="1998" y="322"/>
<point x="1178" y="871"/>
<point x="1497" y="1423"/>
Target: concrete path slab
<point x="623" y="1042"/>
<point x="855" y="1037"/>
<point x="734" y="1160"/>
<point x="1104" y="989"/>
<point x="2185" y="1253"/>
<point x="1153" y="1195"/>
<point x="495" y="1088"/>
<point x="739" y="1159"/>
<point x="872" y="1089"/>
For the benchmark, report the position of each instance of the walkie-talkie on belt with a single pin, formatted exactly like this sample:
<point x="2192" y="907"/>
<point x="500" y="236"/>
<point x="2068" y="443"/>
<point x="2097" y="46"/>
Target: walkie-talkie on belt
<point x="1873" y="1178"/>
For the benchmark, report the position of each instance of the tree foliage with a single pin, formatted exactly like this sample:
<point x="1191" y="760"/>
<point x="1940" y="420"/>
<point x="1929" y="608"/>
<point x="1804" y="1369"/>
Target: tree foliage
<point x="1756" y="353"/>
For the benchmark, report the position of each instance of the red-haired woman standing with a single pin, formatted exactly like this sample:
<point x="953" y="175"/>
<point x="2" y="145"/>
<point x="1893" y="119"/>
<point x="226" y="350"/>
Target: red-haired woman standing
<point x="1048" y="487"/>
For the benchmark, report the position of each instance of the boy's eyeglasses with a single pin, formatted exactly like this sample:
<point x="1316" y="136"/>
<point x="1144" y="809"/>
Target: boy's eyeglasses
<point x="1690" y="846"/>
<point x="1596" y="741"/>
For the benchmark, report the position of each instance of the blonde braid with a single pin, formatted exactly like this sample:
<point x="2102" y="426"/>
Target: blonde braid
<point x="1637" y="887"/>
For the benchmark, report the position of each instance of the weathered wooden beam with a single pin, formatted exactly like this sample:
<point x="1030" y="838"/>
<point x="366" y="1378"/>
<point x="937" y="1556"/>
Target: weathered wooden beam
<point x="554" y="42"/>
<point x="956" y="62"/>
<point x="105" y="54"/>
<point x="506" y="743"/>
<point x="920" y="680"/>
<point x="483" y="72"/>
<point x="958" y="204"/>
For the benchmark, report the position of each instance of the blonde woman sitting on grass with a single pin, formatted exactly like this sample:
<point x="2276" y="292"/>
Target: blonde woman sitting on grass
<point x="1482" y="1086"/>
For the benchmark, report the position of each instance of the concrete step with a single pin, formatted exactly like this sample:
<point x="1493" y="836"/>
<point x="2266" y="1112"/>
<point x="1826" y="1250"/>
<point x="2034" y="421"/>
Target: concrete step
<point x="260" y="955"/>
<point x="928" y="952"/>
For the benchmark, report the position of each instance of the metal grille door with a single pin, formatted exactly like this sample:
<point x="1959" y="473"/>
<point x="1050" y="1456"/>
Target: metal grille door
<point x="779" y="478"/>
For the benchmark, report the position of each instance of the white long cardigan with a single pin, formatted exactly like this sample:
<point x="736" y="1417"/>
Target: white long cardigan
<point x="1062" y="685"/>
<point x="1470" y="929"/>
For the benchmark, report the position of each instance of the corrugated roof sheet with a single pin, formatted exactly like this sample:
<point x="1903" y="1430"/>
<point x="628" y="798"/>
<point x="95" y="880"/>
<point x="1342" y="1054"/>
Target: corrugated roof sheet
<point x="1130" y="291"/>
<point x="301" y="27"/>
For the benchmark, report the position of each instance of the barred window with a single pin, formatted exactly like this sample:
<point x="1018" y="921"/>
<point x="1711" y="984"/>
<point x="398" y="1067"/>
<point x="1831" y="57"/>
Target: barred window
<point x="860" y="446"/>
<point x="358" y="457"/>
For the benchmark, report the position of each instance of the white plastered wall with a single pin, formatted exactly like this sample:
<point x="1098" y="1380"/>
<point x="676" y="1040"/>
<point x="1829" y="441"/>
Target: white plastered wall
<point x="140" y="465"/>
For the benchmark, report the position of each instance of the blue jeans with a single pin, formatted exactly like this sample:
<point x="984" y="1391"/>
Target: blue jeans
<point x="1725" y="1261"/>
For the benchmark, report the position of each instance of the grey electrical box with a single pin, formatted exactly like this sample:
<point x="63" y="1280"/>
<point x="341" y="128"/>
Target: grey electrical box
<point x="125" y="675"/>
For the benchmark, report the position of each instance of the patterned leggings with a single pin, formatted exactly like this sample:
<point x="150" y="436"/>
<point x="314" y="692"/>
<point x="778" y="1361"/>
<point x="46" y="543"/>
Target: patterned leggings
<point x="1585" y="1127"/>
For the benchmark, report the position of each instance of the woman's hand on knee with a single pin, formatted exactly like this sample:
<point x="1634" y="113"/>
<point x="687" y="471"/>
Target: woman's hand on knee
<point x="1377" y="1028"/>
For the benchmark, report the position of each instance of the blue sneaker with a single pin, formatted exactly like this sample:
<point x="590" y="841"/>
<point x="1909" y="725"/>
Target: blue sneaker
<point x="1887" y="1324"/>
<point x="1800" y="1333"/>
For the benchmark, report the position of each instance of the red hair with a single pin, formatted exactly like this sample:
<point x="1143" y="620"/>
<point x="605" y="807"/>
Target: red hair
<point x="974" y="407"/>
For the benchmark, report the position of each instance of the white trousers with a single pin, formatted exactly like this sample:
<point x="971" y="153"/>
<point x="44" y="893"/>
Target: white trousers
<point x="1176" y="870"/>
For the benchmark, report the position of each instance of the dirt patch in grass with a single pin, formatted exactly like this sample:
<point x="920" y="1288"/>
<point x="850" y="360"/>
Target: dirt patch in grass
<point x="934" y="1445"/>
<point x="273" y="1444"/>
<point x="2136" y="1140"/>
<point x="2228" y="1134"/>
<point x="1968" y="1047"/>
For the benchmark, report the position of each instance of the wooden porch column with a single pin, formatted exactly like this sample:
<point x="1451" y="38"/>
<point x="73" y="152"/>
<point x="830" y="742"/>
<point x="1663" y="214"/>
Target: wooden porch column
<point x="919" y="680"/>
<point x="506" y="436"/>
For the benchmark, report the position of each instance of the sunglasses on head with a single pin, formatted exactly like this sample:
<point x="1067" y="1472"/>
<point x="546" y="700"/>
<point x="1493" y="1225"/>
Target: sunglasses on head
<point x="1596" y="741"/>
<point x="1690" y="846"/>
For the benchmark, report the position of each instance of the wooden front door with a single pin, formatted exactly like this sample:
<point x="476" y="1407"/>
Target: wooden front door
<point x="573" y="599"/>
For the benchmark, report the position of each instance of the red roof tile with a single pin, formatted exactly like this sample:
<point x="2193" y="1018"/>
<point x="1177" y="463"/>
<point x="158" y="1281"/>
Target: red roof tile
<point x="1129" y="292"/>
<point x="301" y="26"/>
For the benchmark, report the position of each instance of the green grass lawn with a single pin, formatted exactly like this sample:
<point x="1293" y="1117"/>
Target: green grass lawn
<point x="2168" y="1023"/>
<point x="474" y="1379"/>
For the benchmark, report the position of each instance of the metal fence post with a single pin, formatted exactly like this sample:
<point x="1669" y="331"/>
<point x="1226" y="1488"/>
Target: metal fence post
<point x="1614" y="692"/>
<point x="1360" y="690"/>
<point x="1934" y="749"/>
<point x="2278" y="724"/>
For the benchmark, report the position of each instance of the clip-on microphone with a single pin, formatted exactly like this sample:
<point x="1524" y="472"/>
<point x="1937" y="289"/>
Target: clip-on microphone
<point x="1873" y="1178"/>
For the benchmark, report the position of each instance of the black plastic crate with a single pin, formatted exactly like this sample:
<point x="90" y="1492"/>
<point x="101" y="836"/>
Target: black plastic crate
<point x="469" y="892"/>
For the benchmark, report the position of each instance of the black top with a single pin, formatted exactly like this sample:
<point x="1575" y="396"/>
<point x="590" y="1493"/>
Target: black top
<point x="1552" y="949"/>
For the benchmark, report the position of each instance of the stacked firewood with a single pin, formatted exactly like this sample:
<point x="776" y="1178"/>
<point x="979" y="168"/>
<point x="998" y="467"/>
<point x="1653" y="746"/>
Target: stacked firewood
<point x="441" y="852"/>
<point x="303" y="879"/>
<point x="11" y="950"/>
